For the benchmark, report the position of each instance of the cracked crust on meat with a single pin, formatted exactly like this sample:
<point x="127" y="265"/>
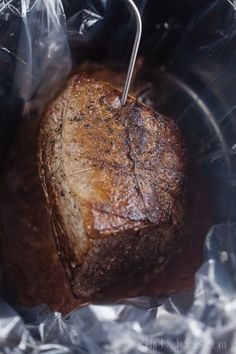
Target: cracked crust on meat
<point x="115" y="181"/>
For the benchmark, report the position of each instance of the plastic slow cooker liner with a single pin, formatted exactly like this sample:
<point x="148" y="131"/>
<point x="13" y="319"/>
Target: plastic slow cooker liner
<point x="197" y="89"/>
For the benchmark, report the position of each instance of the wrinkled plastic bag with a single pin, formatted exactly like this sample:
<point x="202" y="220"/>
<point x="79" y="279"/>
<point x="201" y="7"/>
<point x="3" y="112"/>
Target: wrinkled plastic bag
<point x="173" y="325"/>
<point x="43" y="51"/>
<point x="34" y="54"/>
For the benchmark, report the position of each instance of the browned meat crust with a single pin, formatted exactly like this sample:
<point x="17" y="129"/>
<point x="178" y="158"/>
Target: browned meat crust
<point x="115" y="182"/>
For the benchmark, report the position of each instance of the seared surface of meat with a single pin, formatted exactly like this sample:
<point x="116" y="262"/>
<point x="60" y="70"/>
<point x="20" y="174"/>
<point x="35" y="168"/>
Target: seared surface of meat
<point x="115" y="182"/>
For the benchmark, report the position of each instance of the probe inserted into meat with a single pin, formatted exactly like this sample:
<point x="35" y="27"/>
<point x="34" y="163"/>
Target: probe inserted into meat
<point x="115" y="182"/>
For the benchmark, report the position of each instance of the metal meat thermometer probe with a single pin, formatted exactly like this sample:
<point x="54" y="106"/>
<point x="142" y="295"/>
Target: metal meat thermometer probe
<point x="138" y="20"/>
